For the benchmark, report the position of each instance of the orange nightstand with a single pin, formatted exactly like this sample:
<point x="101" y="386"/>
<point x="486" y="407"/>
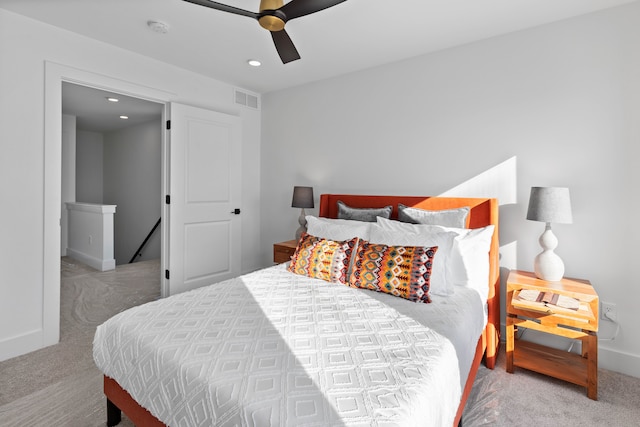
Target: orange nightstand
<point x="582" y="324"/>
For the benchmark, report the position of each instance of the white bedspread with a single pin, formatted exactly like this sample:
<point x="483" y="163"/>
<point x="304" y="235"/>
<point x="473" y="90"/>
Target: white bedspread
<point x="275" y="349"/>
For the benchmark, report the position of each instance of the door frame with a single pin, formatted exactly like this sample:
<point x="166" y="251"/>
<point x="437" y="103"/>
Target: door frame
<point x="55" y="74"/>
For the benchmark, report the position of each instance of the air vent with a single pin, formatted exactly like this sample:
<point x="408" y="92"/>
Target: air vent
<point x="246" y="99"/>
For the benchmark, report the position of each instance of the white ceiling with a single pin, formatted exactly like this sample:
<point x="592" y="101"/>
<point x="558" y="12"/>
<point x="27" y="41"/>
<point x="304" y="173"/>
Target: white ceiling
<point x="96" y="114"/>
<point x="351" y="36"/>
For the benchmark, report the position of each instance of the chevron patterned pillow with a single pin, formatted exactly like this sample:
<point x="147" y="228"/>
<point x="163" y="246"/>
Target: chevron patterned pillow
<point x="321" y="258"/>
<point x="402" y="271"/>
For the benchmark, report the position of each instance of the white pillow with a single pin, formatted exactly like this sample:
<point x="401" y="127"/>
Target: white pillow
<point x="394" y="233"/>
<point x="473" y="246"/>
<point x="337" y="229"/>
<point x="469" y="259"/>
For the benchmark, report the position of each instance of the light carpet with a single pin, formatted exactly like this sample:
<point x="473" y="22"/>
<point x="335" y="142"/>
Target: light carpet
<point x="60" y="385"/>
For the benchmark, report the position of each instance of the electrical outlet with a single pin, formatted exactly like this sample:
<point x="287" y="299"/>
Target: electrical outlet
<point x="608" y="311"/>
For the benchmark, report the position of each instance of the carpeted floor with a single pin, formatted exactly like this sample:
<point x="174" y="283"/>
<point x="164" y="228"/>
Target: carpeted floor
<point x="528" y="399"/>
<point x="60" y="385"/>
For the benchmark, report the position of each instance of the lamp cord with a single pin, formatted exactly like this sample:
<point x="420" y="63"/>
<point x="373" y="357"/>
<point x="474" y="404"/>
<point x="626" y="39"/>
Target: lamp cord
<point x="615" y="334"/>
<point x="521" y="332"/>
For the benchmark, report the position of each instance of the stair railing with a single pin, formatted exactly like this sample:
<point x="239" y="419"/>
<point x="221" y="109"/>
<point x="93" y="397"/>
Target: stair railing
<point x="145" y="241"/>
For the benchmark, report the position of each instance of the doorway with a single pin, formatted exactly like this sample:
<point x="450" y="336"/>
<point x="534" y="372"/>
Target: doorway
<point x="197" y="138"/>
<point x="55" y="75"/>
<point x="112" y="156"/>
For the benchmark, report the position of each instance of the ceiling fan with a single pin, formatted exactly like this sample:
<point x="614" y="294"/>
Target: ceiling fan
<point x="273" y="15"/>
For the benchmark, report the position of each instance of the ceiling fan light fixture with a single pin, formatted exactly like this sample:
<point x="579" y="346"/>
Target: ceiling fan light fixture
<point x="271" y="23"/>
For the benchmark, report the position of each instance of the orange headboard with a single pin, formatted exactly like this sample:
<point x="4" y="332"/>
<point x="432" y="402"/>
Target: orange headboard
<point x="483" y="212"/>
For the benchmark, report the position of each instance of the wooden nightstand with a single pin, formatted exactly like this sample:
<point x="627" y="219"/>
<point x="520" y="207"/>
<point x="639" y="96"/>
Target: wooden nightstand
<point x="283" y="251"/>
<point x="579" y="324"/>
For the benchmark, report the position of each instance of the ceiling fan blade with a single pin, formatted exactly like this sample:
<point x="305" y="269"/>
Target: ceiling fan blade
<point x="284" y="46"/>
<point x="224" y="8"/>
<point x="298" y="8"/>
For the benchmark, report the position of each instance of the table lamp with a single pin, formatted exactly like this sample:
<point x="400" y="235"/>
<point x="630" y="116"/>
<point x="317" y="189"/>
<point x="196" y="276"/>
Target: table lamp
<point x="549" y="204"/>
<point x="302" y="198"/>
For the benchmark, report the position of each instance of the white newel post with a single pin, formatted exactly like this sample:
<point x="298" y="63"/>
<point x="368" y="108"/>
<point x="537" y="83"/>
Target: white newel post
<point x="90" y="238"/>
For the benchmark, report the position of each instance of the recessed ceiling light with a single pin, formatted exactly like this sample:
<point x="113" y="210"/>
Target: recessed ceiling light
<point x="158" y="27"/>
<point x="254" y="62"/>
<point x="112" y="99"/>
<point x="124" y="117"/>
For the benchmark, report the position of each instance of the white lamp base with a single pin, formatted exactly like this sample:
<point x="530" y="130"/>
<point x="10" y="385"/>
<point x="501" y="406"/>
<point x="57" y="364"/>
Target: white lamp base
<point x="547" y="264"/>
<point x="303" y="224"/>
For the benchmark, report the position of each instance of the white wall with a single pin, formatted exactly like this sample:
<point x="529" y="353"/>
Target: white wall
<point x="132" y="178"/>
<point x="123" y="168"/>
<point x="561" y="100"/>
<point x="68" y="178"/>
<point x="29" y="50"/>
<point x="89" y="170"/>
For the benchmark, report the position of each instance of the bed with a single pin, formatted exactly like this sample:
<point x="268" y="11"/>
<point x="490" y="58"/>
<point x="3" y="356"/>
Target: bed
<point x="277" y="348"/>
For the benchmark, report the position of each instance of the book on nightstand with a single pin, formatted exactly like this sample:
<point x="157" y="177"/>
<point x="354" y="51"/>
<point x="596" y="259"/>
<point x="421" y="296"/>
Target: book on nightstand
<point x="544" y="301"/>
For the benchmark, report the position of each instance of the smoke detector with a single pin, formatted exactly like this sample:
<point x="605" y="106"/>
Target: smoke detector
<point x="158" y="27"/>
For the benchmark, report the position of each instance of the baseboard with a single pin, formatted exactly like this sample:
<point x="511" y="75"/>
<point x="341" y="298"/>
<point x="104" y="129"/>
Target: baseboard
<point x="21" y="344"/>
<point x="625" y="363"/>
<point x="98" y="264"/>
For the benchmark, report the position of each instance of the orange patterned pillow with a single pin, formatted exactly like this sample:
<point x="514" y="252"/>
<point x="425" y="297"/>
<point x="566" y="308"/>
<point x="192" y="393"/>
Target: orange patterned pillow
<point x="322" y="259"/>
<point x="402" y="271"/>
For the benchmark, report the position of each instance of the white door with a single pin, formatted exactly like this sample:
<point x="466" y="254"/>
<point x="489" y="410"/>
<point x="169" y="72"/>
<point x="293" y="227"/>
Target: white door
<point x="204" y="189"/>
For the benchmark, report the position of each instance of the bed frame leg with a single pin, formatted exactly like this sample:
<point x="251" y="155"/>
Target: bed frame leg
<point x="114" y="416"/>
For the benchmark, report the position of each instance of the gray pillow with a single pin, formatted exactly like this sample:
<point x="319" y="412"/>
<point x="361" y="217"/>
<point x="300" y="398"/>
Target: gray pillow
<point x="447" y="218"/>
<point x="363" y="214"/>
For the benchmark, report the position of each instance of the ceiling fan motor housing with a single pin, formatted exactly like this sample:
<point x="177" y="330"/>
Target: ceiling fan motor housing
<point x="270" y="17"/>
